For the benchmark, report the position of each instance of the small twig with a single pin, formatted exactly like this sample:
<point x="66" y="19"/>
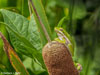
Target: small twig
<point x="42" y="25"/>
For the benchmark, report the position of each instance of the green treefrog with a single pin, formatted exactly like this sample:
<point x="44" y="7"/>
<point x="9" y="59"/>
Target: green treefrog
<point x="65" y="38"/>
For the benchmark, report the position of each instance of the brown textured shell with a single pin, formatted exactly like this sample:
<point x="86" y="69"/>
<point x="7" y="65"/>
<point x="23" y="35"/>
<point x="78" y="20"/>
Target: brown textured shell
<point x="58" y="60"/>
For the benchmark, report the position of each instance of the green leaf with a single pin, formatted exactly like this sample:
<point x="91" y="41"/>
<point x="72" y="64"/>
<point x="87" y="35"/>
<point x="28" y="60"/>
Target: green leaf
<point x="22" y="5"/>
<point x="33" y="66"/>
<point x="34" y="34"/>
<point x="24" y="38"/>
<point x="40" y="11"/>
<point x="79" y="9"/>
<point x="3" y="3"/>
<point x="61" y="21"/>
<point x="14" y="59"/>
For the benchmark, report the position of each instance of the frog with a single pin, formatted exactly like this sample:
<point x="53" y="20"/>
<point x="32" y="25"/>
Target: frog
<point x="65" y="38"/>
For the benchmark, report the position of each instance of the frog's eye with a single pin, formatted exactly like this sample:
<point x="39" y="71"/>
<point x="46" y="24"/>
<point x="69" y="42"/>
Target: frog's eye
<point x="61" y="29"/>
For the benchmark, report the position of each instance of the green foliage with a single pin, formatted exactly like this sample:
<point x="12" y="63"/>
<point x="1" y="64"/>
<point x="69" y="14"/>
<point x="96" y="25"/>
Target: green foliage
<point x="3" y="3"/>
<point x="43" y="18"/>
<point x="22" y="6"/>
<point x="28" y="38"/>
<point x="14" y="59"/>
<point x="17" y="27"/>
<point x="4" y="62"/>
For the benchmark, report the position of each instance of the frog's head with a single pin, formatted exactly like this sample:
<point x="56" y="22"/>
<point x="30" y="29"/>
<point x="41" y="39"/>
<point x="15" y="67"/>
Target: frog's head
<point x="60" y="34"/>
<point x="58" y="29"/>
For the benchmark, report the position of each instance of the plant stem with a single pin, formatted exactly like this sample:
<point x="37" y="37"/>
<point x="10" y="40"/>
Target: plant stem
<point x="29" y="7"/>
<point x="42" y="25"/>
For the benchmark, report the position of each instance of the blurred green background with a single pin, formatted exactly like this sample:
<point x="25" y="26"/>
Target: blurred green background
<point x="83" y="24"/>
